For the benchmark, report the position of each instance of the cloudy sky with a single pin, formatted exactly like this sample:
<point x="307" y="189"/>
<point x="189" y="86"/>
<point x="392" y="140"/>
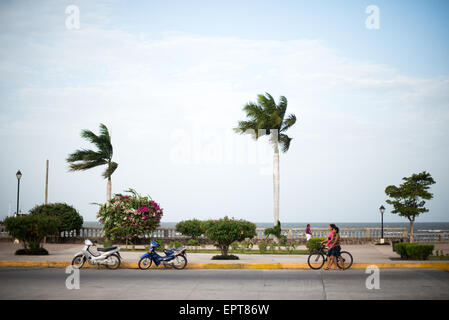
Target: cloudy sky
<point x="170" y="78"/>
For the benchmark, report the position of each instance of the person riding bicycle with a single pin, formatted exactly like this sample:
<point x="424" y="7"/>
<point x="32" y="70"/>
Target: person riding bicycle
<point x="335" y="249"/>
<point x="328" y="242"/>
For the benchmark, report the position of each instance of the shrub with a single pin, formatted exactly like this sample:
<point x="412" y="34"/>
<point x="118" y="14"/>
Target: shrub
<point x="192" y="228"/>
<point x="419" y="251"/>
<point x="161" y="244"/>
<point x="235" y="246"/>
<point x="193" y="243"/>
<point x="414" y="250"/>
<point x="272" y="247"/>
<point x="129" y="216"/>
<point x="263" y="247"/>
<point x="246" y="245"/>
<point x="400" y="249"/>
<point x="107" y="243"/>
<point x="291" y="247"/>
<point x="175" y="244"/>
<point x="275" y="231"/>
<point x="225" y="231"/>
<point x="314" y="244"/>
<point x="31" y="229"/>
<point x="70" y="218"/>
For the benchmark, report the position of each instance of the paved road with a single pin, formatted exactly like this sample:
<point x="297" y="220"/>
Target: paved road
<point x="48" y="283"/>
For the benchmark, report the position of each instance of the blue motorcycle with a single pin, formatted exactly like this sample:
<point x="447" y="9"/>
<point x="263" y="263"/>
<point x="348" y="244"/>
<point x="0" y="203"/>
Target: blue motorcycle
<point x="174" y="257"/>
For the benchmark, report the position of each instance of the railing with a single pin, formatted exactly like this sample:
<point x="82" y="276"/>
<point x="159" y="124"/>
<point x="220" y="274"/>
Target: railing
<point x="431" y="237"/>
<point x="348" y="235"/>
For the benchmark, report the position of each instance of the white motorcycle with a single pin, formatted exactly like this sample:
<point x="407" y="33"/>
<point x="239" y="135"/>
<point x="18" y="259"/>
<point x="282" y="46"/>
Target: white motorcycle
<point x="110" y="256"/>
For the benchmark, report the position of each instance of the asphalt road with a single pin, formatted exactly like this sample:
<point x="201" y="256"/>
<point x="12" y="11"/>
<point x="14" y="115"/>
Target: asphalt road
<point x="49" y="283"/>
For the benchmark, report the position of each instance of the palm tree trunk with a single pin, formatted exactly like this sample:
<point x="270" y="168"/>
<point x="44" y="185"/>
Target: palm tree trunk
<point x="109" y="189"/>
<point x="276" y="184"/>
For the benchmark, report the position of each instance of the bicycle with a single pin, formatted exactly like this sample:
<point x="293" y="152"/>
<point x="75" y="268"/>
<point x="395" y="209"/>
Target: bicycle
<point x="317" y="259"/>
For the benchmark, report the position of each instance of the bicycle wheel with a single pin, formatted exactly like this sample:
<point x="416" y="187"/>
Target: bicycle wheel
<point x="344" y="261"/>
<point x="316" y="261"/>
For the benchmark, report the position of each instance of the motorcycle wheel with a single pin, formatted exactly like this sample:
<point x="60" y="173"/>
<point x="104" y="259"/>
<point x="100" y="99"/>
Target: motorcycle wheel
<point x="78" y="261"/>
<point x="145" y="263"/>
<point x="180" y="262"/>
<point x="114" y="262"/>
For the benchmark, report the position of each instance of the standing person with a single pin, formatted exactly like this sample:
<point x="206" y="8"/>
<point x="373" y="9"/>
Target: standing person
<point x="328" y="243"/>
<point x="308" y="233"/>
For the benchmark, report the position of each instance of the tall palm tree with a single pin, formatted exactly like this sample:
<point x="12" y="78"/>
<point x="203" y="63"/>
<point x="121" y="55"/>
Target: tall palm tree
<point x="263" y="118"/>
<point x="86" y="159"/>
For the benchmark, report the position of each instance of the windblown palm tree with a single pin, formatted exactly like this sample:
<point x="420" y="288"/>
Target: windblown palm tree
<point x="263" y="118"/>
<point x="87" y="159"/>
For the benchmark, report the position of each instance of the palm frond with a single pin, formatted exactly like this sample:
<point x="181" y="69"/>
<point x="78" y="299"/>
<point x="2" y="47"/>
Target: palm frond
<point x="84" y="155"/>
<point x="284" y="141"/>
<point x="289" y="122"/>
<point x="84" y="165"/>
<point x="110" y="170"/>
<point x="282" y="107"/>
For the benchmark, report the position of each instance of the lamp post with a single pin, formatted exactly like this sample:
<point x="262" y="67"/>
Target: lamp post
<point x="18" y="175"/>
<point x="382" y="210"/>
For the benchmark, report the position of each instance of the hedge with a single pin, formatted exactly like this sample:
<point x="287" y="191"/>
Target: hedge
<point x="414" y="251"/>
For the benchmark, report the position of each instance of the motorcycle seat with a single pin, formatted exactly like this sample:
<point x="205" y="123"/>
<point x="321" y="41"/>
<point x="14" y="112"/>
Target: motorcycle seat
<point x="106" y="249"/>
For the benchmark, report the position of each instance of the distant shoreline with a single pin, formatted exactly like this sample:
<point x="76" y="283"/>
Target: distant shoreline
<point x="431" y="227"/>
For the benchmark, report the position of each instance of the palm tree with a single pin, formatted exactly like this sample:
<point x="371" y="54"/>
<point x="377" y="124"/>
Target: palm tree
<point x="87" y="159"/>
<point x="263" y="118"/>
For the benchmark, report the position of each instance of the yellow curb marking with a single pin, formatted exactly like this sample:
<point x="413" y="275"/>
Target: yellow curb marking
<point x="133" y="265"/>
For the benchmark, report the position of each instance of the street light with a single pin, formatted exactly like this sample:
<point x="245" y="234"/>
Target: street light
<point x="18" y="175"/>
<point x="382" y="210"/>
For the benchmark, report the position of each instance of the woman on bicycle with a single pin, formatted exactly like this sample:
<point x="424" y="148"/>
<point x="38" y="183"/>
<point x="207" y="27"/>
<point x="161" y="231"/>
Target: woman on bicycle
<point x="334" y="249"/>
<point x="328" y="243"/>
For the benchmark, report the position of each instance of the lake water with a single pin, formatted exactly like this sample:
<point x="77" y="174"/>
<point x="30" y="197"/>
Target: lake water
<point x="418" y="226"/>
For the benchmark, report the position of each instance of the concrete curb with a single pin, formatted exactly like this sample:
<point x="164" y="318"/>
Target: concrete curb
<point x="133" y="265"/>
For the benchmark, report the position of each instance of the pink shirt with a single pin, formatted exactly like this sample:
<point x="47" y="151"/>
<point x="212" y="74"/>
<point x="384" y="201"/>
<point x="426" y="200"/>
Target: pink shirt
<point x="329" y="238"/>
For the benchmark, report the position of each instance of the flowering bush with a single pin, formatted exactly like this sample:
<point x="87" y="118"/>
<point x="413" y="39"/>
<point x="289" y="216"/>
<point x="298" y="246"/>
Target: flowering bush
<point x="128" y="217"/>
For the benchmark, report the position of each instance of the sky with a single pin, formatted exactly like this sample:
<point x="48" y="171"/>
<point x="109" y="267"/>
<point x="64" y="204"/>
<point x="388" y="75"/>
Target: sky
<point x="170" y="79"/>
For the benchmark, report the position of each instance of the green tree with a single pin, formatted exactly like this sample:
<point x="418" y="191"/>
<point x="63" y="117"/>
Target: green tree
<point x="86" y="159"/>
<point x="265" y="117"/>
<point x="225" y="231"/>
<point x="192" y="228"/>
<point x="408" y="198"/>
<point x="31" y="229"/>
<point x="70" y="218"/>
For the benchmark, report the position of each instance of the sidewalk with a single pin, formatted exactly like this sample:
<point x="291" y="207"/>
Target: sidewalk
<point x="61" y="255"/>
